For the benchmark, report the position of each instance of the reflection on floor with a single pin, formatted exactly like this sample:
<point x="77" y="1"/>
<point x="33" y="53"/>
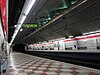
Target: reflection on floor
<point x="23" y="64"/>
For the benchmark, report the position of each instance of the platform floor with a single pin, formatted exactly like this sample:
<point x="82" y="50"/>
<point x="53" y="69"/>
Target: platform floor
<point x="23" y="64"/>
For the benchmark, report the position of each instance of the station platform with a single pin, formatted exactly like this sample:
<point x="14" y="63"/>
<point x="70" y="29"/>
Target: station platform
<point x="24" y="64"/>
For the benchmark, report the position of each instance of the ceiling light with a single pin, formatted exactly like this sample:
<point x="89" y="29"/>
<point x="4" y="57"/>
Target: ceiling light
<point x="21" y="29"/>
<point x="70" y="36"/>
<point x="85" y="33"/>
<point x="84" y="36"/>
<point x="49" y="18"/>
<point x="21" y="19"/>
<point x="97" y="31"/>
<point x="15" y="25"/>
<point x="29" y="6"/>
<point x="93" y="32"/>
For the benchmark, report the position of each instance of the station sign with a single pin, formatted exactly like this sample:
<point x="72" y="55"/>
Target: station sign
<point x="30" y="25"/>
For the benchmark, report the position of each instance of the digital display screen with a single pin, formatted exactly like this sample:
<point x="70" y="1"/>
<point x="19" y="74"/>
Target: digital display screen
<point x="30" y="25"/>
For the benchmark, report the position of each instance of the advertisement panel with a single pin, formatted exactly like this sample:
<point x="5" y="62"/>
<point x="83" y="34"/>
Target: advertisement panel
<point x="4" y="17"/>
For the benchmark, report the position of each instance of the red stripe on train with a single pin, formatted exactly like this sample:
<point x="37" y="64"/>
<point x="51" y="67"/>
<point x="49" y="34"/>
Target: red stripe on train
<point x="82" y="38"/>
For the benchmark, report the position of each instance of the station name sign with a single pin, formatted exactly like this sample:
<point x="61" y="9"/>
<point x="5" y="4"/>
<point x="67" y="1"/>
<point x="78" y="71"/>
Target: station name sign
<point x="30" y="25"/>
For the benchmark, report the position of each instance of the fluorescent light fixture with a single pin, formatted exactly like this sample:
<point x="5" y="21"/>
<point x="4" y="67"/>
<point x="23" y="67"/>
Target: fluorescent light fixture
<point x="15" y="25"/>
<point x="21" y="19"/>
<point x="49" y="18"/>
<point x="21" y="29"/>
<point x="70" y="36"/>
<point x="80" y="36"/>
<point x="85" y="33"/>
<point x="28" y="6"/>
<point x="97" y="31"/>
<point x="26" y="9"/>
<point x="93" y="32"/>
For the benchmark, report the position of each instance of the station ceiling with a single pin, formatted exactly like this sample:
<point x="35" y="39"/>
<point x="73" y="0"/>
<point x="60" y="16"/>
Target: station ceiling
<point x="49" y="19"/>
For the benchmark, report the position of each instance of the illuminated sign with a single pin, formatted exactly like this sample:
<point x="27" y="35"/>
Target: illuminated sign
<point x="30" y="25"/>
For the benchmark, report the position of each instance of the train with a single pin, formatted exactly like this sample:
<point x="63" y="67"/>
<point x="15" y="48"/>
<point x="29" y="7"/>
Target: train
<point x="85" y="43"/>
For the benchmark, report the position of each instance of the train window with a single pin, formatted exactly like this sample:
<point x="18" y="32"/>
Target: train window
<point x="46" y="49"/>
<point x="69" y="48"/>
<point x="82" y="48"/>
<point x="51" y="48"/>
<point x="98" y="47"/>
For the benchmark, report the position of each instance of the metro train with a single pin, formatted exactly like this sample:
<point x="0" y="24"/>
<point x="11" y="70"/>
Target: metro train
<point x="81" y="50"/>
<point x="86" y="43"/>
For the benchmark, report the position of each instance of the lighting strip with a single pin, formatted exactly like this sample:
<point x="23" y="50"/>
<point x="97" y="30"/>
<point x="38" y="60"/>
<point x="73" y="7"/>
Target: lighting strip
<point x="93" y="32"/>
<point x="25" y="11"/>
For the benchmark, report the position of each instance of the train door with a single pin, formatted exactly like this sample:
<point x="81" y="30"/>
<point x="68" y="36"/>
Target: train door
<point x="56" y="45"/>
<point x="91" y="44"/>
<point x="51" y="46"/>
<point x="61" y="45"/>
